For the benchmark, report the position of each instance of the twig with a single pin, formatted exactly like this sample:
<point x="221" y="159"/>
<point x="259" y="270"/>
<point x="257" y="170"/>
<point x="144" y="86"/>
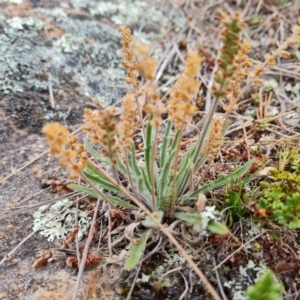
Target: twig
<point x="4" y="211"/>
<point x="51" y="98"/>
<point x="219" y="281"/>
<point x="134" y="281"/>
<point x="237" y="250"/>
<point x="102" y="291"/>
<point x="36" y="205"/>
<point x="86" y="249"/>
<point x="186" y="287"/>
<point x="25" y="166"/>
<point x="109" y="235"/>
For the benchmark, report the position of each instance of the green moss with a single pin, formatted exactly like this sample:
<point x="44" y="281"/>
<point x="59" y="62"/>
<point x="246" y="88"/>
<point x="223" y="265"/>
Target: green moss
<point x="281" y="196"/>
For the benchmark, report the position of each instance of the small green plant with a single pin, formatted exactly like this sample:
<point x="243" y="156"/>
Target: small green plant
<point x="281" y="197"/>
<point x="235" y="200"/>
<point x="266" y="288"/>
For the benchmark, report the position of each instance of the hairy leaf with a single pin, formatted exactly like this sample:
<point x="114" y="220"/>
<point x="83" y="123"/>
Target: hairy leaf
<point x="217" y="227"/>
<point x="191" y="218"/>
<point x="223" y="179"/>
<point x="136" y="251"/>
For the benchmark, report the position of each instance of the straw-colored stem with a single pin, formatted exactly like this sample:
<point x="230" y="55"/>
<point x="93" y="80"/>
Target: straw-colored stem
<point x="86" y="250"/>
<point x="153" y="169"/>
<point x="140" y="114"/>
<point x="203" y="175"/>
<point x="174" y="190"/>
<point x="200" y="142"/>
<point x="129" y="176"/>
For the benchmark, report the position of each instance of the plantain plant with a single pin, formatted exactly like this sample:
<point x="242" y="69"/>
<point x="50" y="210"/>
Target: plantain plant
<point x="158" y="176"/>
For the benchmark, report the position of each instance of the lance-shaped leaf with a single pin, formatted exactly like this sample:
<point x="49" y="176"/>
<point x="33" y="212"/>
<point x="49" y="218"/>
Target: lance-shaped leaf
<point x="89" y="191"/>
<point x="146" y="180"/>
<point x="184" y="171"/>
<point x="97" y="178"/>
<point x="165" y="143"/>
<point x="191" y="218"/>
<point x="148" y="147"/>
<point x="132" y="161"/>
<point x="223" y="179"/>
<point x="163" y="184"/>
<point x="217" y="227"/>
<point x="136" y="251"/>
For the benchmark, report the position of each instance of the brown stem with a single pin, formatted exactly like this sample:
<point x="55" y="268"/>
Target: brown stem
<point x="153" y="169"/>
<point x="129" y="176"/>
<point x="175" y="173"/>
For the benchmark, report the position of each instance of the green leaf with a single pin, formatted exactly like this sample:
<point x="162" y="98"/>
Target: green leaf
<point x="94" y="152"/>
<point x="191" y="218"/>
<point x="164" y="184"/>
<point x="175" y="142"/>
<point x="294" y="224"/>
<point x="117" y="201"/>
<point x="136" y="251"/>
<point x="146" y="180"/>
<point x="165" y="143"/>
<point x="266" y="288"/>
<point x="99" y="180"/>
<point x="223" y="179"/>
<point x="148" y="147"/>
<point x="184" y="171"/>
<point x="164" y="178"/>
<point x="83" y="189"/>
<point x="217" y="227"/>
<point x="93" y="193"/>
<point x="133" y="162"/>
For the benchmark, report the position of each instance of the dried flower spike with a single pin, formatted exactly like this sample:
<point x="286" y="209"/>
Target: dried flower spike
<point x="127" y="123"/>
<point x="230" y="48"/>
<point x="146" y="65"/>
<point x="241" y="65"/>
<point x="179" y="106"/>
<point x="103" y="130"/>
<point x="214" y="138"/>
<point x="129" y="62"/>
<point x="67" y="150"/>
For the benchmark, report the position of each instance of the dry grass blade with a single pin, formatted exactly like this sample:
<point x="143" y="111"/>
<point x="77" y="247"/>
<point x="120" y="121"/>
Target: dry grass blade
<point x="134" y="281"/>
<point x="85" y="252"/>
